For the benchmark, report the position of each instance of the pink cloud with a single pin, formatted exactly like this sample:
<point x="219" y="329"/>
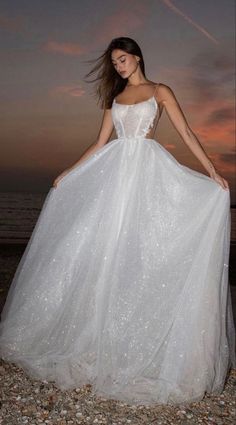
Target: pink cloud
<point x="220" y="134"/>
<point x="69" y="90"/>
<point x="71" y="49"/>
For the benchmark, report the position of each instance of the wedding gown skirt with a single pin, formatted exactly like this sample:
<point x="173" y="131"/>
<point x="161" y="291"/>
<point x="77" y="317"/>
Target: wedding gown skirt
<point x="124" y="282"/>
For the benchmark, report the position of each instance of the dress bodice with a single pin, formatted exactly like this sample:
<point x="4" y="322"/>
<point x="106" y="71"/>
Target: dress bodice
<point x="136" y="120"/>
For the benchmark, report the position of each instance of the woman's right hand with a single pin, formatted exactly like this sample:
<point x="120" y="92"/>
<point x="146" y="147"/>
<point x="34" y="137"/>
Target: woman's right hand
<point x="56" y="181"/>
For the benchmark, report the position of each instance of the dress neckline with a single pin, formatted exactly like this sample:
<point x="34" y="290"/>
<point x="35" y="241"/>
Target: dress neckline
<point x="134" y="104"/>
<point x="143" y="101"/>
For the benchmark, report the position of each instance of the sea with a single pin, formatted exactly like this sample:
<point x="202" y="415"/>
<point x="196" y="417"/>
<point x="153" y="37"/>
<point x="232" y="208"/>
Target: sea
<point x="19" y="212"/>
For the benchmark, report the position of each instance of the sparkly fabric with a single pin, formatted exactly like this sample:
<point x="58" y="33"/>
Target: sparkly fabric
<point x="124" y="282"/>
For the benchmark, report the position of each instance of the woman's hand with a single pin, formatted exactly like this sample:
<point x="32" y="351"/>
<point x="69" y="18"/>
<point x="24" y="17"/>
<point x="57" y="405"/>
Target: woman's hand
<point x="56" y="181"/>
<point x="215" y="176"/>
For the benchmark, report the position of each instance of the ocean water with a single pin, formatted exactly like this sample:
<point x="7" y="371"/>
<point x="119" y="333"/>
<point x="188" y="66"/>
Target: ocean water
<point x="19" y="213"/>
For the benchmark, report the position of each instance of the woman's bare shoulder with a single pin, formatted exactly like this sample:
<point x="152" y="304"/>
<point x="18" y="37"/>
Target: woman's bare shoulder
<point x="164" y="88"/>
<point x="164" y="92"/>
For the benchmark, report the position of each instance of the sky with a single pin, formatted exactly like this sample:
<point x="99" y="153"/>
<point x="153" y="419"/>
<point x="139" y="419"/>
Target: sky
<point x="48" y="112"/>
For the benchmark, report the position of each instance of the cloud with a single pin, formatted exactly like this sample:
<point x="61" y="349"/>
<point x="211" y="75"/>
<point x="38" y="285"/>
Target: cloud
<point x="229" y="157"/>
<point x="224" y="162"/>
<point x="221" y="115"/>
<point x="207" y="85"/>
<point x="213" y="81"/>
<point x="176" y="10"/>
<point x="126" y="19"/>
<point x="113" y="24"/>
<point x="11" y="24"/>
<point x="216" y="126"/>
<point x="216" y="135"/>
<point x="129" y="17"/>
<point x="71" y="49"/>
<point x="68" y="90"/>
<point x="208" y="74"/>
<point x="212" y="71"/>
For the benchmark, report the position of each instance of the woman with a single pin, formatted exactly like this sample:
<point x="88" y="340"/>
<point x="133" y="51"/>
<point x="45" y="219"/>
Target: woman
<point x="124" y="282"/>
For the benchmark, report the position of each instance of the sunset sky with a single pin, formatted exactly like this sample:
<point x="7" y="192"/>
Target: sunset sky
<point x="48" y="113"/>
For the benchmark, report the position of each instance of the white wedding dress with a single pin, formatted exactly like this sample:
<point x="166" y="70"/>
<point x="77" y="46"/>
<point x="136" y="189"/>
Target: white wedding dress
<point x="124" y="282"/>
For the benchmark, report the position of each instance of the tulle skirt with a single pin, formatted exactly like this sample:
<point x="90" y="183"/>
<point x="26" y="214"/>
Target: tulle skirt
<point x="124" y="281"/>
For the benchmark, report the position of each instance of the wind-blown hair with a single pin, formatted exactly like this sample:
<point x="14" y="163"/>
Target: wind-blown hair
<point x="109" y="82"/>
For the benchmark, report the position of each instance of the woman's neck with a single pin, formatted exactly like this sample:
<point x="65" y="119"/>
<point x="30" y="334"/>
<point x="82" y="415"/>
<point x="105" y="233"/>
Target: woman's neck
<point x="137" y="78"/>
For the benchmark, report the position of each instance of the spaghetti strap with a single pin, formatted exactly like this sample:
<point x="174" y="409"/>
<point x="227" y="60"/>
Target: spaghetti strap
<point x="159" y="114"/>
<point x="156" y="87"/>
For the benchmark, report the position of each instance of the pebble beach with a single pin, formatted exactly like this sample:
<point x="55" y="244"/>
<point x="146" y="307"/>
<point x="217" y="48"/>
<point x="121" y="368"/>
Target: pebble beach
<point x="28" y="401"/>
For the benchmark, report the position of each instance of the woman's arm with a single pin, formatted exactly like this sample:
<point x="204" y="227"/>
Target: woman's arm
<point x="176" y="116"/>
<point x="103" y="137"/>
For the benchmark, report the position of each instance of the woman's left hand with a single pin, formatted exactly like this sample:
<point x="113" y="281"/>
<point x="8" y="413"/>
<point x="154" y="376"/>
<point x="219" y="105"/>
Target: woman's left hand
<point x="215" y="176"/>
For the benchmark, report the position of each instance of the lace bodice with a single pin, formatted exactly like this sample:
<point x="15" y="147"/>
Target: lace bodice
<point x="136" y="120"/>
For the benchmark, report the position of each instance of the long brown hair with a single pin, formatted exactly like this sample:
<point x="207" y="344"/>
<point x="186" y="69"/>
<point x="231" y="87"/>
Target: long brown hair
<point x="109" y="82"/>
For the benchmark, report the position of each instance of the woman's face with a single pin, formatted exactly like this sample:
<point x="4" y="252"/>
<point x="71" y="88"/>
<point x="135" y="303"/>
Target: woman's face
<point x="124" y="63"/>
